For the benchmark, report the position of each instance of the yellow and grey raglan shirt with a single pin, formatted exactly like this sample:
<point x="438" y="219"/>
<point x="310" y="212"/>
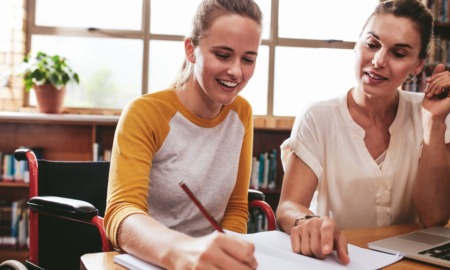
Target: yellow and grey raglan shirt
<point x="159" y="143"/>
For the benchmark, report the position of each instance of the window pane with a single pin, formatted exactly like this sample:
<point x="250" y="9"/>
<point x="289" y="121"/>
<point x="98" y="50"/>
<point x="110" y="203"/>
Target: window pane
<point x="172" y="17"/>
<point x="325" y="19"/>
<point x="160" y="23"/>
<point x="304" y="75"/>
<point x="106" y="14"/>
<point x="256" y="90"/>
<point x="166" y="58"/>
<point x="110" y="70"/>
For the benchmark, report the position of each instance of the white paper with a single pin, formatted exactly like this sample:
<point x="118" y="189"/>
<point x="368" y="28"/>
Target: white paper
<point x="133" y="263"/>
<point x="274" y="248"/>
<point x="273" y="251"/>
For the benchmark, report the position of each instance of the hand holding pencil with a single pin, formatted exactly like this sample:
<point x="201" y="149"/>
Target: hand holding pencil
<point x="229" y="252"/>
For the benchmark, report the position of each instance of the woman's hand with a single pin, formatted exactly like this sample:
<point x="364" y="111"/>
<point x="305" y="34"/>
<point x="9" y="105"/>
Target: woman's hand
<point x="437" y="93"/>
<point x="215" y="251"/>
<point x="318" y="237"/>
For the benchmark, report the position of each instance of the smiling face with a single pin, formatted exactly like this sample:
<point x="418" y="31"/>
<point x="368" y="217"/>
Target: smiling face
<point x="225" y="59"/>
<point x="386" y="53"/>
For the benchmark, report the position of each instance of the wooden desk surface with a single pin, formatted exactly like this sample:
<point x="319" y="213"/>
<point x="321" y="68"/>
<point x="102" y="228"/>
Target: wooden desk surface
<point x="357" y="237"/>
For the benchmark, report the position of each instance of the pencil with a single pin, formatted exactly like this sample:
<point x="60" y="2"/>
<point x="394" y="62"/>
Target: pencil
<point x="200" y="206"/>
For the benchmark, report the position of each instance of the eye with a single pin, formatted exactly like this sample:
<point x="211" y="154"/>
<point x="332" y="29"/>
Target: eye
<point x="249" y="60"/>
<point x="398" y="54"/>
<point x="372" y="45"/>
<point x="223" y="56"/>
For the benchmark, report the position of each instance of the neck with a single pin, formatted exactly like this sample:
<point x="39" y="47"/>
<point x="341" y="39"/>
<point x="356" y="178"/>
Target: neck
<point x="196" y="101"/>
<point x="374" y="109"/>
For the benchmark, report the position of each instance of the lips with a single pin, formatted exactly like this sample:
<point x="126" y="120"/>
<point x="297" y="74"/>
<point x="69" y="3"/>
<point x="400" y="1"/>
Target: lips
<point x="228" y="84"/>
<point x="375" y="76"/>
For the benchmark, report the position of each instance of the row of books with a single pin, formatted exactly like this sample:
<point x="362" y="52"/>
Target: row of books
<point x="440" y="10"/>
<point x="14" y="232"/>
<point x="100" y="153"/>
<point x="13" y="170"/>
<point x="440" y="54"/>
<point x="264" y="171"/>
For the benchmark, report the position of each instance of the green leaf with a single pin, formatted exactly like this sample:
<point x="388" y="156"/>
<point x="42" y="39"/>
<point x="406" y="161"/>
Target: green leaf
<point x="42" y="68"/>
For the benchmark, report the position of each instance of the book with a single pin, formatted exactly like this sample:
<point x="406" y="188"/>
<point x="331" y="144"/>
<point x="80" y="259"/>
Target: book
<point x="273" y="251"/>
<point x="8" y="167"/>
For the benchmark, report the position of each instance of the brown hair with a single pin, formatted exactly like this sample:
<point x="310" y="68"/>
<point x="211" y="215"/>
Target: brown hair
<point x="207" y="12"/>
<point x="413" y="10"/>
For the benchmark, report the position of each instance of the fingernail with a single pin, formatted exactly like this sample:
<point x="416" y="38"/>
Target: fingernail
<point x="326" y="248"/>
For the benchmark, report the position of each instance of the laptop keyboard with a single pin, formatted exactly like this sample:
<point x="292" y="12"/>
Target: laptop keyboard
<point x="442" y="252"/>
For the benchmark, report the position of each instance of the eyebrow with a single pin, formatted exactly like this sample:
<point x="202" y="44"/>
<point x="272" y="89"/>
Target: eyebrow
<point x="231" y="50"/>
<point x="403" y="45"/>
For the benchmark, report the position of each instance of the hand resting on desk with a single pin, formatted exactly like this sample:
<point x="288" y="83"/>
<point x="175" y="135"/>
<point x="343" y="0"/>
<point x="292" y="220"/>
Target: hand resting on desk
<point x="318" y="237"/>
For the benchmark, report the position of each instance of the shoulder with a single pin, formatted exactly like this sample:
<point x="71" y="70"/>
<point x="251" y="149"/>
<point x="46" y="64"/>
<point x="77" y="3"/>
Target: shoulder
<point x="153" y="101"/>
<point x="149" y="108"/>
<point x="243" y="108"/>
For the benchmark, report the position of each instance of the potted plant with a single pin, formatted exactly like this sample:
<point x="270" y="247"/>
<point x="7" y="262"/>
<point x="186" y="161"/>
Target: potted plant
<point x="48" y="76"/>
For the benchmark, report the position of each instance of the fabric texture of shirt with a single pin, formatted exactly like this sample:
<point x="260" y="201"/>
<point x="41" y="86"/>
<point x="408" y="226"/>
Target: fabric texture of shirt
<point x="159" y="143"/>
<point x="352" y="188"/>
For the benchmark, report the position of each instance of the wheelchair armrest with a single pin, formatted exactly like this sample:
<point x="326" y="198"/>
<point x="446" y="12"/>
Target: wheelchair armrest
<point x="63" y="207"/>
<point x="254" y="194"/>
<point x="21" y="153"/>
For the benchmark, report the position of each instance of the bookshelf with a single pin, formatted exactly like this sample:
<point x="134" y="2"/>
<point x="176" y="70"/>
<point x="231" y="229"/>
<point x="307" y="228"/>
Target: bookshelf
<point x="10" y="191"/>
<point x="440" y="51"/>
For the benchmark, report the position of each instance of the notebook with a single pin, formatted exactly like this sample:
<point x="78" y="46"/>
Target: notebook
<point x="431" y="245"/>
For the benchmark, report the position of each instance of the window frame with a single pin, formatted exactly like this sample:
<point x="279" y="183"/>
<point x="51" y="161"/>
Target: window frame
<point x="144" y="34"/>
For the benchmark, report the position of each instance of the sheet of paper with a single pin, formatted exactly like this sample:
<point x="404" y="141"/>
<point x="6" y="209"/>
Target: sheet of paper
<point x="130" y="262"/>
<point x="274" y="248"/>
<point x="273" y="251"/>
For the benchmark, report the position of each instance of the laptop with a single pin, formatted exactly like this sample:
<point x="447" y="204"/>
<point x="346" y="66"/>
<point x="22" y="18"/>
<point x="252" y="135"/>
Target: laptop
<point x="431" y="245"/>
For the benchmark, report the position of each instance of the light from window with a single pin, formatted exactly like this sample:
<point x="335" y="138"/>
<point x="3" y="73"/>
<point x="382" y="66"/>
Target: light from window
<point x="166" y="58"/>
<point x="110" y="69"/>
<point x="256" y="90"/>
<point x="325" y="19"/>
<point x="305" y="75"/>
<point x="172" y="17"/>
<point x="105" y="14"/>
<point x="167" y="20"/>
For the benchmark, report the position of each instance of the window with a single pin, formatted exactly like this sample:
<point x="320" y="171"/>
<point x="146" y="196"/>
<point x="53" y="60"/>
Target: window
<point x="124" y="48"/>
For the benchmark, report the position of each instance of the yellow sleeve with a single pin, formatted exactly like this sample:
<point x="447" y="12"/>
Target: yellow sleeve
<point x="136" y="140"/>
<point x="236" y="214"/>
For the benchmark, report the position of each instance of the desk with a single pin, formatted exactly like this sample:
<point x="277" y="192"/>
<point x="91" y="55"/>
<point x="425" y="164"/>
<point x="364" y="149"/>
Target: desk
<point x="357" y="237"/>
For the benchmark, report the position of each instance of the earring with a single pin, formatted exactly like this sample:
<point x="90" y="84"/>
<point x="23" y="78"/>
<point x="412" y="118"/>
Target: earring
<point x="411" y="78"/>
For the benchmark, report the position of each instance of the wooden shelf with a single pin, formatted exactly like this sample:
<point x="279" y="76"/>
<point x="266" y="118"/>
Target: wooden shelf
<point x="7" y="253"/>
<point x="7" y="184"/>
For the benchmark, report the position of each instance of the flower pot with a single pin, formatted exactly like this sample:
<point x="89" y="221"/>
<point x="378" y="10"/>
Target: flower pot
<point x="49" y="99"/>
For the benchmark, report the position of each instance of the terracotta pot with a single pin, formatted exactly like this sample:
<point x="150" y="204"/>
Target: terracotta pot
<point x="49" y="99"/>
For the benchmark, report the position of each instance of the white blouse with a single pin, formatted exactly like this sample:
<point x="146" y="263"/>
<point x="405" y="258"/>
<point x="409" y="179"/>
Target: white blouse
<point x="353" y="189"/>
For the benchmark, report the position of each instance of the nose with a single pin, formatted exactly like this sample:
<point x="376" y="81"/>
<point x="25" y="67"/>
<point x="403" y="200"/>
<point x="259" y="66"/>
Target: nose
<point x="380" y="58"/>
<point x="235" y="70"/>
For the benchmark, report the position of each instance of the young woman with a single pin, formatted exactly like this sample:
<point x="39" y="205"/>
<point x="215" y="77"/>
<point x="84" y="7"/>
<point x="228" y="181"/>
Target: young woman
<point x="200" y="132"/>
<point x="377" y="155"/>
